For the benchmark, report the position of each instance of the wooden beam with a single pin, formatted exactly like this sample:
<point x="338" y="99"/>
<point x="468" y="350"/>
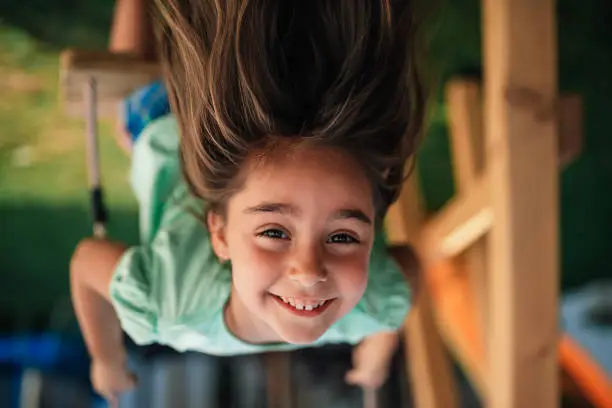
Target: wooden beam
<point x="464" y="111"/>
<point x="458" y="324"/>
<point x="467" y="141"/>
<point x="430" y="370"/>
<point x="464" y="220"/>
<point x="520" y="94"/>
<point x="116" y="75"/>
<point x="428" y="364"/>
<point x="457" y="319"/>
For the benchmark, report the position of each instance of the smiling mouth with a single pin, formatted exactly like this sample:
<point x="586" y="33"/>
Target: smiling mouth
<point x="300" y="308"/>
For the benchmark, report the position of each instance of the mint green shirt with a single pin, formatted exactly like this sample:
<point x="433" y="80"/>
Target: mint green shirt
<point x="172" y="289"/>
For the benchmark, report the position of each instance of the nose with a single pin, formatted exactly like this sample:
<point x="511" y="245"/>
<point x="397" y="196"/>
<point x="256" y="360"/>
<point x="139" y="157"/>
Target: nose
<point x="307" y="269"/>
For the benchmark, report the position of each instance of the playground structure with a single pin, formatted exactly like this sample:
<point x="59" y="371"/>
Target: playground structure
<point x="490" y="256"/>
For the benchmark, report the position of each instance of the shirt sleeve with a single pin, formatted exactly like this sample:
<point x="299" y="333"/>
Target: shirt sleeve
<point x="387" y="296"/>
<point x="176" y="281"/>
<point x="130" y="295"/>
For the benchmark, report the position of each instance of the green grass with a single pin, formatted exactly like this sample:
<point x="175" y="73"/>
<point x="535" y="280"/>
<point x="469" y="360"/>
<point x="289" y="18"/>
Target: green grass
<point x="44" y="208"/>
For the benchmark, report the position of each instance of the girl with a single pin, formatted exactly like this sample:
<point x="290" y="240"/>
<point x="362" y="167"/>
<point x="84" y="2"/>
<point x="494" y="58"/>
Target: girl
<point x="260" y="223"/>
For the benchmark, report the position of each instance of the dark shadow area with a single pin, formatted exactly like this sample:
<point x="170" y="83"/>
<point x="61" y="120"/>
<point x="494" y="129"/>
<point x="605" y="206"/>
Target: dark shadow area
<point x="168" y="379"/>
<point x="61" y="23"/>
<point x="36" y="243"/>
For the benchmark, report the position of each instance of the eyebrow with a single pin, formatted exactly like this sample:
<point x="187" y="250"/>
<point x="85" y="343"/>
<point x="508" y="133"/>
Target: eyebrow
<point x="281" y="208"/>
<point x="288" y="209"/>
<point x="354" y="214"/>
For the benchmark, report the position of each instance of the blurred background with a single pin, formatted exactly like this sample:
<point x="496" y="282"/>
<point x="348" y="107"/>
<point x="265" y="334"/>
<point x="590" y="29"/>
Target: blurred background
<point x="44" y="208"/>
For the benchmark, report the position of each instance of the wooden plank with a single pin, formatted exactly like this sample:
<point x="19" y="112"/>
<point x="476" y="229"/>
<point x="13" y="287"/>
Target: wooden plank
<point x="464" y="220"/>
<point x="116" y="75"/>
<point x="464" y="109"/>
<point x="458" y="324"/>
<point x="430" y="371"/>
<point x="520" y="94"/>
<point x="428" y="364"/>
<point x="457" y="319"/>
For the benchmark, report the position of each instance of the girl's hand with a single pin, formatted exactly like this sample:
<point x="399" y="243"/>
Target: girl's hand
<point x="371" y="360"/>
<point x="110" y="380"/>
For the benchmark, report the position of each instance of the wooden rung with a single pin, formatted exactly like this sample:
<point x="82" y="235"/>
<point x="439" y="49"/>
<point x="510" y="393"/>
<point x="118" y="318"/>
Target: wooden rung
<point x="466" y="218"/>
<point x="116" y="75"/>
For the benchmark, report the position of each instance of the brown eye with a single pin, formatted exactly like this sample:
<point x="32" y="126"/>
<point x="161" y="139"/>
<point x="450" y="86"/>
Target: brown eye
<point x="342" y="238"/>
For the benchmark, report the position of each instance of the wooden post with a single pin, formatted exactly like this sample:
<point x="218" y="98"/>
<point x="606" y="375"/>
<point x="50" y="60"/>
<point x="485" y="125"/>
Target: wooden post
<point x="428" y="364"/>
<point x="467" y="142"/>
<point x="520" y="84"/>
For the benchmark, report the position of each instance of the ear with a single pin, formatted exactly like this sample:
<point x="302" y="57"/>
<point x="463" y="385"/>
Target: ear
<point x="216" y="229"/>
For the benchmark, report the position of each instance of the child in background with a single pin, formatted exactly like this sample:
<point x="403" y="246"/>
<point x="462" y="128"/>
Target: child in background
<point x="260" y="223"/>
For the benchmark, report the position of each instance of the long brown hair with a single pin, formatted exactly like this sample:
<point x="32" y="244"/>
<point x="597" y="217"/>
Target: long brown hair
<point x="340" y="73"/>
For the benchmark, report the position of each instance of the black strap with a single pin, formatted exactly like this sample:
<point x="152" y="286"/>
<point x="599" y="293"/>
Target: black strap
<point x="97" y="206"/>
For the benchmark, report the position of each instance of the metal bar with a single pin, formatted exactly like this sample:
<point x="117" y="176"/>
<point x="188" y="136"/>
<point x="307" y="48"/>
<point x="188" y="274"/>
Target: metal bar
<point x="93" y="161"/>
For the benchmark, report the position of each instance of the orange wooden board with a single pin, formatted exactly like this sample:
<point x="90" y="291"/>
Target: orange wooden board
<point x="457" y="319"/>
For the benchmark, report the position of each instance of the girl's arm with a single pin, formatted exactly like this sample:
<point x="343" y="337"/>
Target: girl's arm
<point x="91" y="271"/>
<point x="372" y="357"/>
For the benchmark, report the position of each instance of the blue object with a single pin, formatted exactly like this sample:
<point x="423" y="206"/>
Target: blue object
<point x="58" y="356"/>
<point x="44" y="351"/>
<point x="144" y="106"/>
<point x="595" y="339"/>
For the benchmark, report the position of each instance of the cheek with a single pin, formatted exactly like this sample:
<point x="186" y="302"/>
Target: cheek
<point x="351" y="277"/>
<point x="253" y="269"/>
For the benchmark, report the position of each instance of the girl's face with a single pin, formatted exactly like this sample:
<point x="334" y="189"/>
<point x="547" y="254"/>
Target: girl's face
<point x="299" y="236"/>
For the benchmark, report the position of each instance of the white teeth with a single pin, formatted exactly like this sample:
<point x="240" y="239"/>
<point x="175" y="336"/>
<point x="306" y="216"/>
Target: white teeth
<point x="301" y="306"/>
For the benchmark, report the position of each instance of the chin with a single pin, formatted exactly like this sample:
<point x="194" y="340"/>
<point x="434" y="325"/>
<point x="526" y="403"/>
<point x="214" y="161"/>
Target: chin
<point x="300" y="337"/>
